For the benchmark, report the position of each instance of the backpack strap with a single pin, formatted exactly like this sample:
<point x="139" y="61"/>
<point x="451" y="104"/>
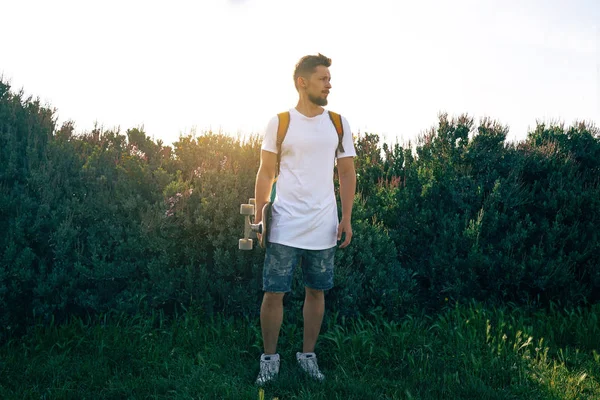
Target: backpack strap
<point x="284" y="123"/>
<point x="339" y="127"/>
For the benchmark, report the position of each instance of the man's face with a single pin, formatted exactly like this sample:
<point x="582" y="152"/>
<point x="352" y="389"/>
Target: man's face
<point x="318" y="85"/>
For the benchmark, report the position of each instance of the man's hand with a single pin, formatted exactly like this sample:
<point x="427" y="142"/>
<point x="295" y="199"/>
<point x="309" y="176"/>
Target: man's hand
<point x="347" y="176"/>
<point x="257" y="220"/>
<point x="264" y="184"/>
<point x="345" y="227"/>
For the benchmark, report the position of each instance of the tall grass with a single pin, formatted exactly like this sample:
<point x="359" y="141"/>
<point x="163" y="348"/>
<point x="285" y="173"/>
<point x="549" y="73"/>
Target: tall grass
<point x="466" y="352"/>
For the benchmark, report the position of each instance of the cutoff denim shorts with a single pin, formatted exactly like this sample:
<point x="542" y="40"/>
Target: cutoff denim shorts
<point x="281" y="260"/>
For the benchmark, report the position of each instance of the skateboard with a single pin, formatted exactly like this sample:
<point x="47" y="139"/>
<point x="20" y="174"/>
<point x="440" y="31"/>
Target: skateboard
<point x="251" y="229"/>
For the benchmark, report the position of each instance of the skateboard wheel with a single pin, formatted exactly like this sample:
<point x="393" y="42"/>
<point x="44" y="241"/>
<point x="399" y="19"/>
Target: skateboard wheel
<point x="252" y="201"/>
<point x="245" y="244"/>
<point x="247" y="209"/>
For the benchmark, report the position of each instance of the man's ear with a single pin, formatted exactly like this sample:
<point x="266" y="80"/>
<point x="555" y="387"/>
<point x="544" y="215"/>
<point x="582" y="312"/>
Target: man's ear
<point x="302" y="82"/>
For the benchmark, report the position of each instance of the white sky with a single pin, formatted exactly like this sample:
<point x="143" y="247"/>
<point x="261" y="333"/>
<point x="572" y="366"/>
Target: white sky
<point x="227" y="65"/>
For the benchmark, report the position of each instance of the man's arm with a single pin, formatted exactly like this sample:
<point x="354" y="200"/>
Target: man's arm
<point x="347" y="177"/>
<point x="264" y="182"/>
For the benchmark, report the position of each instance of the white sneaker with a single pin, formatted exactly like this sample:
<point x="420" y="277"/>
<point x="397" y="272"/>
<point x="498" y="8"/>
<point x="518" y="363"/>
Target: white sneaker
<point x="269" y="368"/>
<point x="308" y="362"/>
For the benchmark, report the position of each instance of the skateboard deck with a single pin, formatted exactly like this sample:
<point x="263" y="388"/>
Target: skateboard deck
<point x="251" y="229"/>
<point x="267" y="216"/>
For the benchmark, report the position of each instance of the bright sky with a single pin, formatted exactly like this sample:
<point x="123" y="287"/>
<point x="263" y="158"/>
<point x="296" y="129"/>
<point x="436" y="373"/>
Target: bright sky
<point x="227" y="65"/>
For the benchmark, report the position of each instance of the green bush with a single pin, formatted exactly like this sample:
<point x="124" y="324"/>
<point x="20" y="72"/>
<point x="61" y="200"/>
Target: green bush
<point x="476" y="217"/>
<point x="109" y="221"/>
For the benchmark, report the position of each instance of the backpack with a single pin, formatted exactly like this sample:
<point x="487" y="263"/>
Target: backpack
<point x="284" y="123"/>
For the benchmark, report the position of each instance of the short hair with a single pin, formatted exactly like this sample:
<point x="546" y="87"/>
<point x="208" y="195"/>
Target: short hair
<point x="307" y="65"/>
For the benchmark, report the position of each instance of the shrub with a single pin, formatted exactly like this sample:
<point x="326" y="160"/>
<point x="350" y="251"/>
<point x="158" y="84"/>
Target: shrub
<point x="108" y="221"/>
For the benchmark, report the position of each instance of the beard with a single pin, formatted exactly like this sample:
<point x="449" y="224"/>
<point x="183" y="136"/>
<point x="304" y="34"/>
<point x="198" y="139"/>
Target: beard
<point x="317" y="100"/>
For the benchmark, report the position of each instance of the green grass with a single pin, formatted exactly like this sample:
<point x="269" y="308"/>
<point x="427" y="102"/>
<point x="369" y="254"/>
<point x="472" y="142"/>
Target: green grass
<point x="465" y="352"/>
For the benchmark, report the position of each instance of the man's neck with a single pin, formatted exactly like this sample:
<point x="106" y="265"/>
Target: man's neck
<point x="308" y="108"/>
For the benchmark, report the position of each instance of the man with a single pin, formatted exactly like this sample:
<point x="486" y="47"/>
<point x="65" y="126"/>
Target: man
<point x="305" y="227"/>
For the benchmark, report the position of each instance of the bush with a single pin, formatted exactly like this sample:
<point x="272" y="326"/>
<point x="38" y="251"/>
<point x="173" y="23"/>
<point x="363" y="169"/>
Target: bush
<point x="109" y="221"/>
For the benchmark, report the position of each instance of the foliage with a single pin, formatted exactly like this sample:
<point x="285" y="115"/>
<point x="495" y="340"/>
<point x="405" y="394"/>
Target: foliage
<point x="468" y="351"/>
<point x="109" y="221"/>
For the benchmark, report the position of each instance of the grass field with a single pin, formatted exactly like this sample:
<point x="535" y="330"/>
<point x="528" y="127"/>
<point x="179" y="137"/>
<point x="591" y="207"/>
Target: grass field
<point x="465" y="352"/>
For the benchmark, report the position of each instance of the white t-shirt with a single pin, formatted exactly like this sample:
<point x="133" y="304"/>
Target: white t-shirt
<point x="305" y="213"/>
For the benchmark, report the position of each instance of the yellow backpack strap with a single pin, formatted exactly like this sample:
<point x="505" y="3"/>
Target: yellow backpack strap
<point x="339" y="128"/>
<point x="284" y="123"/>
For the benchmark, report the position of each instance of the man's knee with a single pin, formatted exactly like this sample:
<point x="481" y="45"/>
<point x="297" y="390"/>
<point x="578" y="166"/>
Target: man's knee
<point x="273" y="298"/>
<point x="314" y="293"/>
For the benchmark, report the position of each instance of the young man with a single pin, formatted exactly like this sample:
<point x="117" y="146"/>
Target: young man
<point x="305" y="227"/>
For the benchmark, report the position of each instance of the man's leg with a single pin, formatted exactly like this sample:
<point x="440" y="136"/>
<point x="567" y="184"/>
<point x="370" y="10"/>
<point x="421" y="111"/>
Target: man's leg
<point x="271" y="316"/>
<point x="314" y="307"/>
<point x="317" y="269"/>
<point x="277" y="279"/>
<point x="278" y="271"/>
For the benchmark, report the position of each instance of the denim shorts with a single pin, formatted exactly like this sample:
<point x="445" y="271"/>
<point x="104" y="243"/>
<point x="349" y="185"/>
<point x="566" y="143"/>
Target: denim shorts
<point x="281" y="260"/>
